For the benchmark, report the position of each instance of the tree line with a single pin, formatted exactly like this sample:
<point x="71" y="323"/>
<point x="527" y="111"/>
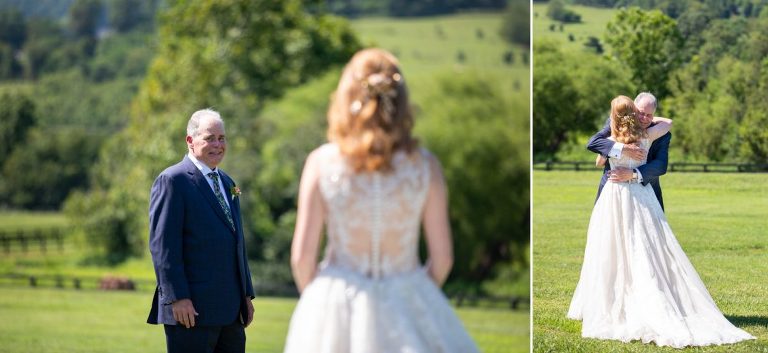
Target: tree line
<point x="706" y="65"/>
<point x="66" y="88"/>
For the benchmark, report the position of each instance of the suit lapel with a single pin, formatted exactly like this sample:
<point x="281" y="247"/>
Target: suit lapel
<point x="202" y="184"/>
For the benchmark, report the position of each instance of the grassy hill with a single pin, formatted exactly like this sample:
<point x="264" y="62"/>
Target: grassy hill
<point x="431" y="46"/>
<point x="593" y="21"/>
<point x="719" y="220"/>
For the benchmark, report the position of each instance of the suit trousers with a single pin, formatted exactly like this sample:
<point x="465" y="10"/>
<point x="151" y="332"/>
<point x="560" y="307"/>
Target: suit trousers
<point x="205" y="339"/>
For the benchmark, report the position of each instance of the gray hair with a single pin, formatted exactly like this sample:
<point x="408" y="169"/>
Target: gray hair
<point x="649" y="96"/>
<point x="194" y="120"/>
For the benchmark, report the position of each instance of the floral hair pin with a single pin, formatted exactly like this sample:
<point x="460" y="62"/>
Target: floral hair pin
<point x="380" y="85"/>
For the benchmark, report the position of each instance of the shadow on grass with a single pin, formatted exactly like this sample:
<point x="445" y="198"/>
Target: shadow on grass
<point x="742" y="321"/>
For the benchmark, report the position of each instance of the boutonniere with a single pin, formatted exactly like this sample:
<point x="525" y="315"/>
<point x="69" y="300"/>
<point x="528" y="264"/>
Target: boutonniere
<point x="235" y="191"/>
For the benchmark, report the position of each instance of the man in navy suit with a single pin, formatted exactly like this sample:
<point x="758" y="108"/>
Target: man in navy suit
<point x="658" y="154"/>
<point x="204" y="291"/>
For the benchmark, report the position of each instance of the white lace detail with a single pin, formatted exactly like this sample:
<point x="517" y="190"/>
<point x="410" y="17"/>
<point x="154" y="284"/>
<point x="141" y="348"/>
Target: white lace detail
<point x="626" y="162"/>
<point x="373" y="218"/>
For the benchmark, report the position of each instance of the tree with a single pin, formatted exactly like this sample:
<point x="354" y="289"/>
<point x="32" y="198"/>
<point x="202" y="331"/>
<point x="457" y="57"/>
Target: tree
<point x="232" y="55"/>
<point x="126" y="15"/>
<point x="648" y="43"/>
<point x="17" y="116"/>
<point x="487" y="173"/>
<point x="515" y="27"/>
<point x="558" y="12"/>
<point x="691" y="24"/>
<point x="51" y="164"/>
<point x="12" y="28"/>
<point x="84" y="17"/>
<point x="594" y="44"/>
<point x="571" y="95"/>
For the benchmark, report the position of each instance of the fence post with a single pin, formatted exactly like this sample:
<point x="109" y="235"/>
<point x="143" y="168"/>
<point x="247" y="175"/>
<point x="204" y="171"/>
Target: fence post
<point x="22" y="240"/>
<point x="76" y="283"/>
<point x="32" y="281"/>
<point x="41" y="238"/>
<point x="513" y="302"/>
<point x="59" y="238"/>
<point x="59" y="282"/>
<point x="6" y="239"/>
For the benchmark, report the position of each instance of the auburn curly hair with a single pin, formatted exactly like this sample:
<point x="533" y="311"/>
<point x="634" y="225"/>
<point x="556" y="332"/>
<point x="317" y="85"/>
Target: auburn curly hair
<point x="625" y="127"/>
<point x="370" y="117"/>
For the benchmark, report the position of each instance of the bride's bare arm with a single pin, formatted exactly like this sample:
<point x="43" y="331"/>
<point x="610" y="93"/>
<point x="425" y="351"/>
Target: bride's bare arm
<point x="663" y="125"/>
<point x="600" y="161"/>
<point x="309" y="225"/>
<point x="437" y="229"/>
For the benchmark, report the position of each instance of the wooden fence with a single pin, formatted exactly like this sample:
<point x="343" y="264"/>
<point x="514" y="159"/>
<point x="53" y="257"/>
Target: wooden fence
<point x="512" y="302"/>
<point x="672" y="167"/>
<point x="261" y="289"/>
<point x="76" y="282"/>
<point x="23" y="240"/>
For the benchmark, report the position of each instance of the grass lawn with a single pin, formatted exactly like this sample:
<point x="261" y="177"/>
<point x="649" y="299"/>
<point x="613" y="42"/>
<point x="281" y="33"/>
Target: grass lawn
<point x="593" y="22"/>
<point x="719" y="219"/>
<point x="15" y="220"/>
<point x="67" y="321"/>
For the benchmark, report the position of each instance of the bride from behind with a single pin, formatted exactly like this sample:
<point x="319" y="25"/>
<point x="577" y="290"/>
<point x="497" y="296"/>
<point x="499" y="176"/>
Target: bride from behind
<point x="371" y="187"/>
<point x="636" y="282"/>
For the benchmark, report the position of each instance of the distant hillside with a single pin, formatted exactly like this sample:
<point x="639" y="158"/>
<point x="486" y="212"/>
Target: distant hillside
<point x="572" y="36"/>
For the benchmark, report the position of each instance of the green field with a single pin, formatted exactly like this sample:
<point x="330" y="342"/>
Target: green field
<point x="719" y="219"/>
<point x="593" y="21"/>
<point x="427" y="46"/>
<point x="69" y="321"/>
<point x="15" y="220"/>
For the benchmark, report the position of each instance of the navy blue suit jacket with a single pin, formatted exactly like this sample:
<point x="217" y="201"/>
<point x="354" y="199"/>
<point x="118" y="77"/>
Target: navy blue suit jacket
<point x="196" y="253"/>
<point x="656" y="166"/>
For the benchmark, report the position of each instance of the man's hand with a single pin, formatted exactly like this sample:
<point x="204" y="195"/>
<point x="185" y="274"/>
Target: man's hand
<point x="633" y="151"/>
<point x="620" y="175"/>
<point x="250" y="312"/>
<point x="184" y="312"/>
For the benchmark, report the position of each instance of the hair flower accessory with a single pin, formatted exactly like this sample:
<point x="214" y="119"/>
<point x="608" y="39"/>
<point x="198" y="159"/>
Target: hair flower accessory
<point x="235" y="191"/>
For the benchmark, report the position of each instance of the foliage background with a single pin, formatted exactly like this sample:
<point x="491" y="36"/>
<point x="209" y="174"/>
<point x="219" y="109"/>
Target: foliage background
<point x="704" y="60"/>
<point x="96" y="94"/>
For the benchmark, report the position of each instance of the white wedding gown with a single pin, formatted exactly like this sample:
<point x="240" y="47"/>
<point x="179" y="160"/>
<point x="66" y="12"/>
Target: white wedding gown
<point x="371" y="294"/>
<point x="636" y="282"/>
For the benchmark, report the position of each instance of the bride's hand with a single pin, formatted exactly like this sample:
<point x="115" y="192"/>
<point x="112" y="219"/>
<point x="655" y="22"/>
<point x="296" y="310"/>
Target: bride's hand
<point x="620" y="175"/>
<point x="633" y="151"/>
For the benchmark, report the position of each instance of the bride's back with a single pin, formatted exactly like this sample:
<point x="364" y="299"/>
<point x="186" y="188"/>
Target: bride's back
<point x="373" y="218"/>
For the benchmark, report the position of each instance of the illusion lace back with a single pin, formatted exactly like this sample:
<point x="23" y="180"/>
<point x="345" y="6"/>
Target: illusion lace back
<point x="371" y="293"/>
<point x="373" y="218"/>
<point x="636" y="282"/>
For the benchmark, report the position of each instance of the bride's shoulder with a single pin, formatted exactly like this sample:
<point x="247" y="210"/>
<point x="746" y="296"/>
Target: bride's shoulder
<point x="429" y="160"/>
<point x="324" y="151"/>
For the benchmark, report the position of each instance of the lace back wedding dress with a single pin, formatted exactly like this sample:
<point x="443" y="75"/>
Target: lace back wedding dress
<point x="636" y="282"/>
<point x="371" y="294"/>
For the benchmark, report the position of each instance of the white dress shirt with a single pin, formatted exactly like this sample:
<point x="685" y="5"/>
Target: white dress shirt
<point x="205" y="170"/>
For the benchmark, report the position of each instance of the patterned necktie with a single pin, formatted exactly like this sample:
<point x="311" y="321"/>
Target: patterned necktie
<point x="220" y="196"/>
